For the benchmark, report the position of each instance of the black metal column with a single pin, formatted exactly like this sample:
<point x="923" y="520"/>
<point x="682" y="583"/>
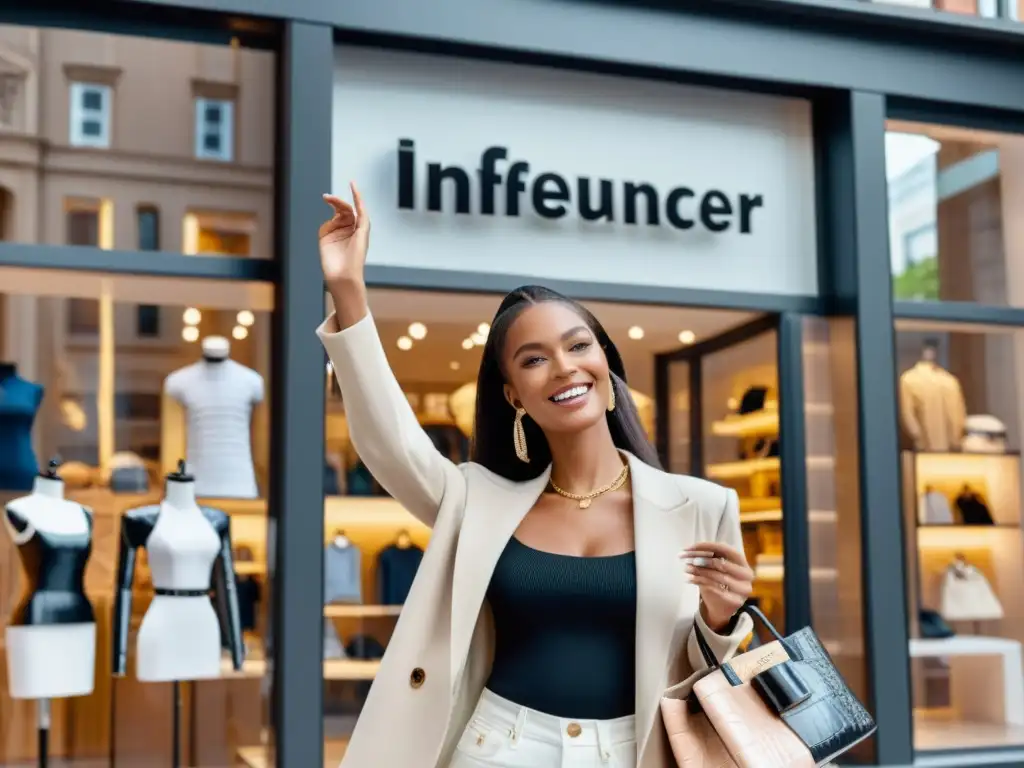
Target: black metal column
<point x="296" y="534"/>
<point x="793" y="480"/>
<point x="854" y="229"/>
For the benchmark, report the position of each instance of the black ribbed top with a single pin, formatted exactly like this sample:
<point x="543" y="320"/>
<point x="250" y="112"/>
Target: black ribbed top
<point x="565" y="632"/>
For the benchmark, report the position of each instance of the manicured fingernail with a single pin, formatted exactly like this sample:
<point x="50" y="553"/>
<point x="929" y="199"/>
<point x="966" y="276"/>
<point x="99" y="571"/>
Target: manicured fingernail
<point x="690" y="569"/>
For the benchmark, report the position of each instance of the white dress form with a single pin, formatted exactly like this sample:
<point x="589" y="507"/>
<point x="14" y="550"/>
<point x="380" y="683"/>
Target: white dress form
<point x="51" y="638"/>
<point x="180" y="635"/>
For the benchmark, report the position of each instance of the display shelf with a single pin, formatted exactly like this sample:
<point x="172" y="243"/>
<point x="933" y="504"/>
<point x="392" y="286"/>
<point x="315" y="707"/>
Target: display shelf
<point x="760" y="423"/>
<point x="774" y="573"/>
<point x="334" y="669"/>
<point x="745" y="468"/>
<point x="361" y="611"/>
<point x="755" y="517"/>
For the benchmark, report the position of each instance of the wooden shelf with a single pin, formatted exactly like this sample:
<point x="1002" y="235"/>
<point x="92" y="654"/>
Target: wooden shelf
<point x="738" y="470"/>
<point x="334" y="669"/>
<point x="760" y="423"/>
<point x="361" y="611"/>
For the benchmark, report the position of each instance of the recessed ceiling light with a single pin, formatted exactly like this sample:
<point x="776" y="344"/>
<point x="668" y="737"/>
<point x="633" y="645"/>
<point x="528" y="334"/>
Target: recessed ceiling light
<point x="479" y="339"/>
<point x="687" y="337"/>
<point x="483" y="329"/>
<point x="467" y="343"/>
<point x="246" y="318"/>
<point x="404" y="343"/>
<point x="636" y="333"/>
<point x="239" y="332"/>
<point x="190" y="333"/>
<point x="454" y="365"/>
<point x="192" y="316"/>
<point x="418" y="331"/>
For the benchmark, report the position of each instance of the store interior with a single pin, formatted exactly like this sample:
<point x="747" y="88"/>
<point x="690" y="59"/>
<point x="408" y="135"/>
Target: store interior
<point x="115" y="406"/>
<point x="960" y="422"/>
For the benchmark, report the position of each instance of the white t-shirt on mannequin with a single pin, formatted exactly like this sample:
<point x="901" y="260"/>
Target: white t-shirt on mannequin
<point x="219" y="397"/>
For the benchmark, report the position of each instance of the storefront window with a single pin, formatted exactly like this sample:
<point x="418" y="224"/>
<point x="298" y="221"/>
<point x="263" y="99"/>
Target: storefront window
<point x="118" y="403"/>
<point x="960" y="415"/>
<point x="148" y="141"/>
<point x="953" y="198"/>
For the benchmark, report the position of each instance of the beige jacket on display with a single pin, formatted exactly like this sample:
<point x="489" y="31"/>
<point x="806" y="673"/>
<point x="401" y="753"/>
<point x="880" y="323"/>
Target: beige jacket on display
<point x="932" y="407"/>
<point x="439" y="656"/>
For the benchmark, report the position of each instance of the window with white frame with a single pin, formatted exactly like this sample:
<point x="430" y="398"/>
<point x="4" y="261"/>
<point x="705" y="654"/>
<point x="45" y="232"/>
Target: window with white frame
<point x="215" y="129"/>
<point x="90" y="115"/>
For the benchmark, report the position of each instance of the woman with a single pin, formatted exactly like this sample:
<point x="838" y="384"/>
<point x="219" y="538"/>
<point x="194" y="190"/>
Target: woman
<point x="565" y="568"/>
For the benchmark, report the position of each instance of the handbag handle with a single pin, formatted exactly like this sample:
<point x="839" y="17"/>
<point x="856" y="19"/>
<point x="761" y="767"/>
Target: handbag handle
<point x="756" y="615"/>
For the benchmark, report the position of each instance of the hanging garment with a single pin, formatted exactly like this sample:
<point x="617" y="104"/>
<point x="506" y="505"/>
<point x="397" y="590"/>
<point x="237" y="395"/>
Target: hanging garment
<point x="396" y="569"/>
<point x="934" y="509"/>
<point x="972" y="508"/>
<point x="984" y="434"/>
<point x="932" y="408"/>
<point x="968" y="596"/>
<point x="342" y="574"/>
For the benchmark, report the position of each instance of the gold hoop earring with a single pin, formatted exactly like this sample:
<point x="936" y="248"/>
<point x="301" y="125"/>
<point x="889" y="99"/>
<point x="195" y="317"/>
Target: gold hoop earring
<point x="611" y="395"/>
<point x="519" y="436"/>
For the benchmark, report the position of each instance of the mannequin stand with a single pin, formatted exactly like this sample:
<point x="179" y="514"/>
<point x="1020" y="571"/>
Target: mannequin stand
<point x="43" y="730"/>
<point x="176" y="725"/>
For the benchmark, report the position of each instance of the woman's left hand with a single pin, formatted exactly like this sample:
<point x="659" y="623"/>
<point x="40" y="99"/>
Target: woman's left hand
<point x="724" y="578"/>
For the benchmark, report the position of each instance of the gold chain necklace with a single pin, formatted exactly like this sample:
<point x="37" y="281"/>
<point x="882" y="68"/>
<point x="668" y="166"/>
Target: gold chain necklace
<point x="586" y="498"/>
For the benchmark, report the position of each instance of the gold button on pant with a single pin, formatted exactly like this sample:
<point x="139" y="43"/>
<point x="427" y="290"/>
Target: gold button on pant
<point x="574" y="729"/>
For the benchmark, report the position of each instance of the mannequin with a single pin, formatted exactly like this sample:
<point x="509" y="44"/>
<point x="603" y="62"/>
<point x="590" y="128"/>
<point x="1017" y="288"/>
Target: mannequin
<point x="19" y="403"/>
<point x="932" y="408"/>
<point x="51" y="634"/>
<point x="180" y="635"/>
<point x="219" y="396"/>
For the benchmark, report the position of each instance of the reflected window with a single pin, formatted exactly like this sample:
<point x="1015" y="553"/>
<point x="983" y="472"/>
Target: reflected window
<point x="147" y="316"/>
<point x="90" y="115"/>
<point x="214" y="129"/>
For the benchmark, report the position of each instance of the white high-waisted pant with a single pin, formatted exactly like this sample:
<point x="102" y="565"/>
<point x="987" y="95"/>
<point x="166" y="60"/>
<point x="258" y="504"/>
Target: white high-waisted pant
<point x="502" y="734"/>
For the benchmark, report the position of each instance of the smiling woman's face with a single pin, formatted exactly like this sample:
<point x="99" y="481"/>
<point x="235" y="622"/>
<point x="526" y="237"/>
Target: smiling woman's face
<point x="556" y="368"/>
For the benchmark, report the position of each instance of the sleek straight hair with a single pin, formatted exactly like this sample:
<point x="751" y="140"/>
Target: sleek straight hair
<point x="492" y="432"/>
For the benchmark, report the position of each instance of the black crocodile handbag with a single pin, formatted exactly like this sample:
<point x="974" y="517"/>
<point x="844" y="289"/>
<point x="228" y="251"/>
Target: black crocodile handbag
<point x="807" y="692"/>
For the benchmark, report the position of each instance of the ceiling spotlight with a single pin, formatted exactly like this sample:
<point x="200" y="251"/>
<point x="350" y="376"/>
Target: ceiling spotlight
<point x="240" y="332"/>
<point x="190" y="333"/>
<point x="467" y="343"/>
<point x="191" y="316"/>
<point x="483" y="329"/>
<point x="687" y="337"/>
<point x="404" y="343"/>
<point x="479" y="339"/>
<point x="636" y="333"/>
<point x="454" y="365"/>
<point x="246" y="318"/>
<point x="418" y="331"/>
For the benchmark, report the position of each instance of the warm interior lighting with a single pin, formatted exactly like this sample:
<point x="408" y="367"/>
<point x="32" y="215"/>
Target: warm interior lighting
<point x="636" y="333"/>
<point x="687" y="337"/>
<point x="190" y="234"/>
<point x="467" y="343"/>
<point x="239" y="332"/>
<point x="483" y="329"/>
<point x="190" y="333"/>
<point x="191" y="316"/>
<point x="246" y="318"/>
<point x="454" y="365"/>
<point x="479" y="339"/>
<point x="404" y="343"/>
<point x="418" y="331"/>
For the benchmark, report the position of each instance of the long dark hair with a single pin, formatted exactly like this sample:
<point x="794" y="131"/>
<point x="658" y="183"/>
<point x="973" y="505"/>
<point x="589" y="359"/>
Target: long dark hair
<point x="492" y="432"/>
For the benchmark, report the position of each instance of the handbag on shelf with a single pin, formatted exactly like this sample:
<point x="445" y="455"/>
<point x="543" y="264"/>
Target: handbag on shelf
<point x="967" y="595"/>
<point x="792" y="711"/>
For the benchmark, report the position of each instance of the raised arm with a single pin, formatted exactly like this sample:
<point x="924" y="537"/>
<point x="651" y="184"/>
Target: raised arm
<point x="725" y="582"/>
<point x="381" y="423"/>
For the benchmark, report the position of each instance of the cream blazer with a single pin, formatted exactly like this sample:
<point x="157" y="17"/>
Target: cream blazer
<point x="439" y="656"/>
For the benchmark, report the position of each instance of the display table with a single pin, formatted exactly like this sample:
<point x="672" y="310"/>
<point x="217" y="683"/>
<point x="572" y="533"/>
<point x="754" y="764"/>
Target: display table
<point x="980" y="666"/>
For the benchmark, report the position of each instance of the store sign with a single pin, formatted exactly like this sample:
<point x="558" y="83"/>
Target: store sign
<point x="485" y="167"/>
<point x="552" y="195"/>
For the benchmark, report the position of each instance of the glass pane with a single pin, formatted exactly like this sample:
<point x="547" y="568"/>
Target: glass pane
<point x="679" y="426"/>
<point x="121" y="407"/>
<point x="138" y="107"/>
<point x="989" y="9"/>
<point x="833" y="495"/>
<point x="740" y="414"/>
<point x="953" y="201"/>
<point x="960" y="413"/>
<point x="433" y="343"/>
